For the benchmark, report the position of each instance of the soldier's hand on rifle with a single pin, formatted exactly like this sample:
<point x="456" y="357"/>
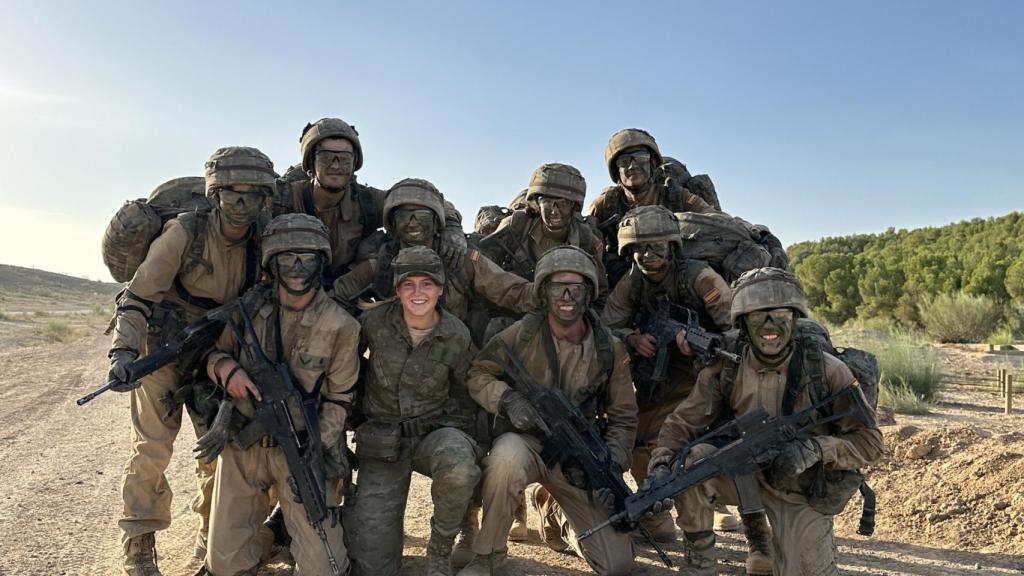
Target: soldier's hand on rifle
<point x="644" y="344"/>
<point x="682" y="344"/>
<point x="794" y="457"/>
<point x="236" y="380"/>
<point x="119" y="361"/>
<point x="521" y="413"/>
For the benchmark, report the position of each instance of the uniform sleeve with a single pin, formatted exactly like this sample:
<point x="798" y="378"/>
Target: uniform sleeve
<point x="350" y="284"/>
<point x="700" y="409"/>
<point x="853" y="444"/>
<point x="716" y="295"/>
<point x="483" y="377"/>
<point x="458" y="378"/>
<point x="621" y="411"/>
<point x="154" y="277"/>
<point x="602" y="275"/>
<point x="619" y="308"/>
<point x="223" y="349"/>
<point x="694" y="203"/>
<point x="340" y="381"/>
<point x="499" y="287"/>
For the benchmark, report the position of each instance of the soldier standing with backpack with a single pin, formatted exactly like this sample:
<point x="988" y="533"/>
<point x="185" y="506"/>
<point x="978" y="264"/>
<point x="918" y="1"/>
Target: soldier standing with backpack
<point x="773" y="374"/>
<point x="199" y="261"/>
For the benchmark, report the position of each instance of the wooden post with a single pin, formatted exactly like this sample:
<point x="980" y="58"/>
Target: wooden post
<point x="1009" y="394"/>
<point x="1000" y="377"/>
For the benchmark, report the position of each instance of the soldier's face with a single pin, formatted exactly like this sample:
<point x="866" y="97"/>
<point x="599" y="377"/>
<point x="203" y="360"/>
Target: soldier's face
<point x="651" y="257"/>
<point x="634" y="166"/>
<point x="555" y="212"/>
<point x="566" y="295"/>
<point x="770" y="331"/>
<point x="419" y="295"/>
<point x="414" y="225"/>
<point x="240" y="204"/>
<point x="333" y="164"/>
<point x="299" y="272"/>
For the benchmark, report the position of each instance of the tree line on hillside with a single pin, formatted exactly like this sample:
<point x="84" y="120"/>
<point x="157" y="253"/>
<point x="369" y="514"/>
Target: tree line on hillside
<point x="970" y="271"/>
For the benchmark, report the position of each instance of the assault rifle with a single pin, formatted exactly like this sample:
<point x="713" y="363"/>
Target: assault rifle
<point x="752" y="440"/>
<point x="707" y="345"/>
<point x="280" y="395"/>
<point x="197" y="337"/>
<point x="573" y="437"/>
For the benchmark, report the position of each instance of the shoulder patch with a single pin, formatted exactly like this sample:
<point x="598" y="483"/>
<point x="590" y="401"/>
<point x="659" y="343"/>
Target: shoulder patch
<point x="691" y="199"/>
<point x="712" y="296"/>
<point x="473" y="255"/>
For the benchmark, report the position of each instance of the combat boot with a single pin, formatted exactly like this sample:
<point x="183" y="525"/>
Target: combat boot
<point x="520" y="529"/>
<point x="759" y="544"/>
<point x="462" y="553"/>
<point x="701" y="559"/>
<point x="439" y="554"/>
<point x="140" y="556"/>
<point x="485" y="564"/>
<point x="724" y="519"/>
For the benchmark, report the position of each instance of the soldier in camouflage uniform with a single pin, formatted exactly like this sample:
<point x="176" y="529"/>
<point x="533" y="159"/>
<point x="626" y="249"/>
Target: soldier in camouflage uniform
<point x="557" y="190"/>
<point x="567" y="347"/>
<point x="650" y="234"/>
<point x="324" y="185"/>
<point x="418" y="418"/>
<point x="200" y="261"/>
<point x="413" y="214"/>
<point x="634" y="164"/>
<point x="766" y="304"/>
<point x="296" y="323"/>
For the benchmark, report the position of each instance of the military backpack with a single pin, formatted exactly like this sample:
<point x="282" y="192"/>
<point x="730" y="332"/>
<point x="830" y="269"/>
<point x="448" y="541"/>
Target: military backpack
<point x="729" y="244"/>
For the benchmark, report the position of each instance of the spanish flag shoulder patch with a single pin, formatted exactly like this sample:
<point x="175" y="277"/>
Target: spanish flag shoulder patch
<point x="712" y="296"/>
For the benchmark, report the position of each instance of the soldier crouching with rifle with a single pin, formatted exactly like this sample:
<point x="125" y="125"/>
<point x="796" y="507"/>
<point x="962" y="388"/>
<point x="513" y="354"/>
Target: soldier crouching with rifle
<point x="563" y="359"/>
<point x="800" y="485"/>
<point x="288" y="360"/>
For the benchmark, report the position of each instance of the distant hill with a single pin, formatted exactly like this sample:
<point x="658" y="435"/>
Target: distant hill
<point x="26" y="288"/>
<point x="886" y="275"/>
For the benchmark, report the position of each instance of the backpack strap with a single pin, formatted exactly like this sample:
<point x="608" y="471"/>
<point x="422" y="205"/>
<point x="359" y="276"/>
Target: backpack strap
<point x="308" y="206"/>
<point x="370" y="216"/>
<point x="795" y="382"/>
<point x="733" y="342"/>
<point x="195" y="224"/>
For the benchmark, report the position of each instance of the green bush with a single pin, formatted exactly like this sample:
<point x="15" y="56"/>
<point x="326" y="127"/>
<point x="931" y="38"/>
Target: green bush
<point x="910" y="373"/>
<point x="1001" y="337"/>
<point x="961" y="318"/>
<point x="59" y="331"/>
<point x="4" y="316"/>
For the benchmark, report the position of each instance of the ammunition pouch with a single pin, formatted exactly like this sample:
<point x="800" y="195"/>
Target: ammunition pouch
<point x="165" y="322"/>
<point x="378" y="440"/>
<point x="833" y="489"/>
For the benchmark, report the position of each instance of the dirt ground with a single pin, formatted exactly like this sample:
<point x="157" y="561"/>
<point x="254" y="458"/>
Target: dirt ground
<point x="951" y="493"/>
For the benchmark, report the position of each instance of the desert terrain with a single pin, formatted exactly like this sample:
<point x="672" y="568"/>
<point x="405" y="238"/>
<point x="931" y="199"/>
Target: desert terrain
<point x="951" y="490"/>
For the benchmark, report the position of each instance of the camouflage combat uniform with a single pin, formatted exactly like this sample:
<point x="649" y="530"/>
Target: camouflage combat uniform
<point x="160" y="300"/>
<point x="414" y="391"/>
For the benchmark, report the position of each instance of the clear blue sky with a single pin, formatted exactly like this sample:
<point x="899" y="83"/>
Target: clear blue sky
<point x="816" y="118"/>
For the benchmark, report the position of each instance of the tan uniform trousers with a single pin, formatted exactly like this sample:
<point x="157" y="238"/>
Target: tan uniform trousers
<point x="241" y="501"/>
<point x="513" y="463"/>
<point x="651" y="419"/>
<point x="803" y="539"/>
<point x="144" y="488"/>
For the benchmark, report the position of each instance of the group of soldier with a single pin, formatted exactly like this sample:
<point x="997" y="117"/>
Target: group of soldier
<point x="399" y="326"/>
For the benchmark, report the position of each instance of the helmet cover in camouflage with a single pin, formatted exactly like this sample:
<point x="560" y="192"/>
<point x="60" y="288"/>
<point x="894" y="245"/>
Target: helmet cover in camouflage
<point x="417" y="192"/>
<point x="565" y="259"/>
<point x="295" y="233"/>
<point x="557" y="181"/>
<point x="417" y="261"/>
<point x="519" y="202"/>
<point x="628" y="138"/>
<point x="767" y="288"/>
<point x="325" y="128"/>
<point x="239" y="165"/>
<point x="488" y="218"/>
<point x="649" y="224"/>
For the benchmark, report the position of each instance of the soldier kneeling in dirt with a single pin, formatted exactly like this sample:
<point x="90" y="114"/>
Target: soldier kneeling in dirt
<point x="294" y="322"/>
<point x="766" y="304"/>
<point x="419" y="417"/>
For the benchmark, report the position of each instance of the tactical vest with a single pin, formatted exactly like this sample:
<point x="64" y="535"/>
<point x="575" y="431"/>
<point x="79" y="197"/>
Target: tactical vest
<point x="510" y="247"/>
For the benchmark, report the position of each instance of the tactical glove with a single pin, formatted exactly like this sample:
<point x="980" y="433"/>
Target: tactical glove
<point x="523" y="416"/>
<point x="119" y="361"/>
<point x="658" y="468"/>
<point x="453" y="245"/>
<point x="794" y="457"/>
<point x="213" y="442"/>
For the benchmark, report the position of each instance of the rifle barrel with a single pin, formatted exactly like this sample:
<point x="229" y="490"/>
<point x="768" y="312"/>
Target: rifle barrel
<point x="91" y="395"/>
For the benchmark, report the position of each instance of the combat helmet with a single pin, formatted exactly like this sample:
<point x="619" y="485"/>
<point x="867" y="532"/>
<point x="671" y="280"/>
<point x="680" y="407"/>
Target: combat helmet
<point x="417" y="261"/>
<point x="565" y="259"/>
<point x="325" y="128"/>
<point x="558" y="181"/>
<point x="628" y="138"/>
<point x="294" y="232"/>
<point x="649" y="224"/>
<point x="413" y="191"/>
<point x="765" y="288"/>
<point x="239" y="165"/>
